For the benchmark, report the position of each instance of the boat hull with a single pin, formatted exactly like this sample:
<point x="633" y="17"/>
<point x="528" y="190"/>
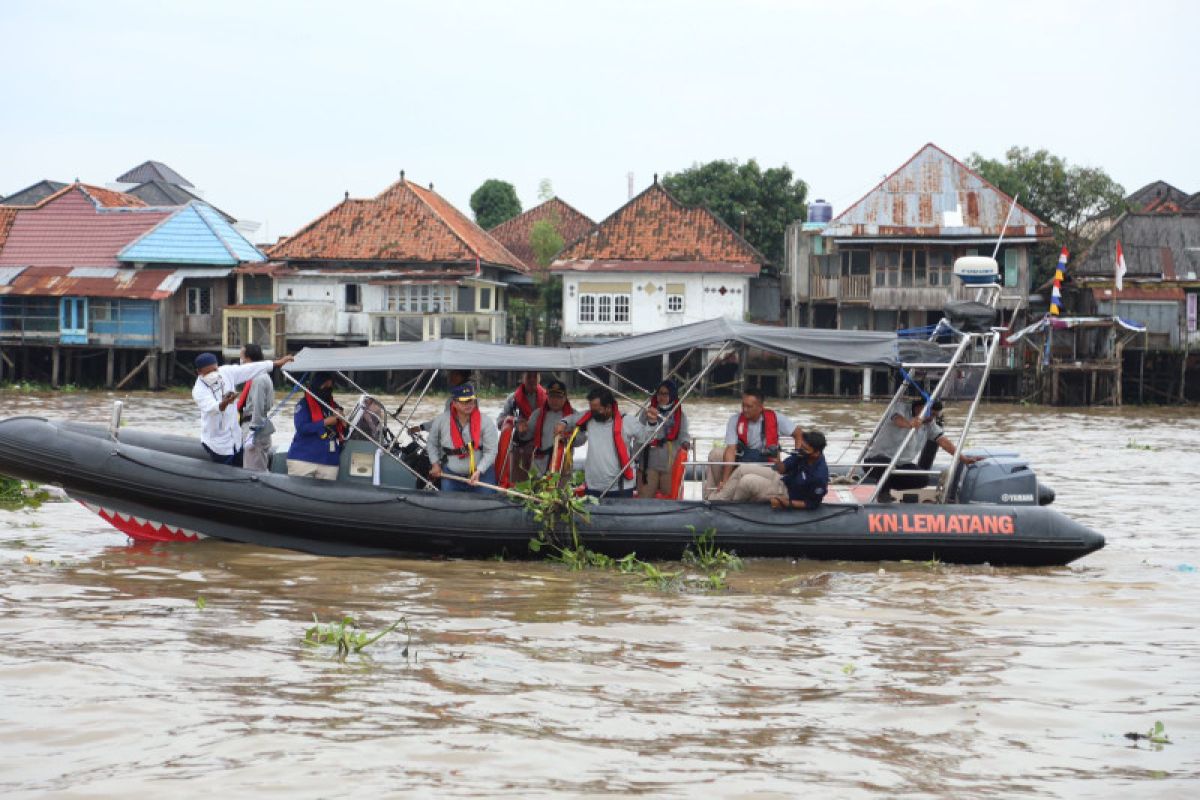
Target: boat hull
<point x="161" y="488"/>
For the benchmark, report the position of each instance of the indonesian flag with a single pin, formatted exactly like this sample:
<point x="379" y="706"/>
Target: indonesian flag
<point x="1120" y="266"/>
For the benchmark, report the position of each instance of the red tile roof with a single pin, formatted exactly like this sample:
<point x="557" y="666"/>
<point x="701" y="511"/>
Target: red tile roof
<point x="405" y="223"/>
<point x="126" y="282"/>
<point x="7" y="216"/>
<point x="70" y="229"/>
<point x="654" y="228"/>
<point x="567" y="221"/>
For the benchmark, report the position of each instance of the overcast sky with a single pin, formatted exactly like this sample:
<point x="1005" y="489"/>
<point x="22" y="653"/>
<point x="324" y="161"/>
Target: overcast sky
<point x="275" y="109"/>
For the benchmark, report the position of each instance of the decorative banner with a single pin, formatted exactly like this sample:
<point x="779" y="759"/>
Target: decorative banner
<point x="1191" y="312"/>
<point x="1120" y="267"/>
<point x="1060" y="272"/>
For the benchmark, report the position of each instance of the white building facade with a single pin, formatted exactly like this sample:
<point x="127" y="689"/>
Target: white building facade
<point x="630" y="303"/>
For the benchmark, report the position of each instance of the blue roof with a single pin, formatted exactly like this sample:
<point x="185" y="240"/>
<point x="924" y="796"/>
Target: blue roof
<point x="195" y="234"/>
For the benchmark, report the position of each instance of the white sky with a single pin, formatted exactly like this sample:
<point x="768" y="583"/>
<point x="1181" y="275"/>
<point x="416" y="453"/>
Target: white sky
<point x="275" y="109"/>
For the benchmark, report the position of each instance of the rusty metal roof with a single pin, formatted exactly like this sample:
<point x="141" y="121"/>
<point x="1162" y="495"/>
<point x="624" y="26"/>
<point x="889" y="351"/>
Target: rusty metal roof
<point x="934" y="195"/>
<point x="134" y="284"/>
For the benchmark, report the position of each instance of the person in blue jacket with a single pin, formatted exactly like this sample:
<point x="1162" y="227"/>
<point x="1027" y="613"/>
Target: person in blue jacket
<point x="317" y="446"/>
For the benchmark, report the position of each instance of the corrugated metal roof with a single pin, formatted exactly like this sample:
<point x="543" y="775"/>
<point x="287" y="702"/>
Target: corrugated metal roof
<point x="195" y="234"/>
<point x="163" y="194"/>
<point x="93" y="272"/>
<point x="135" y="284"/>
<point x="154" y="170"/>
<point x="32" y="195"/>
<point x="934" y="195"/>
<point x="174" y="280"/>
<point x="1156" y="246"/>
<point x="7" y="274"/>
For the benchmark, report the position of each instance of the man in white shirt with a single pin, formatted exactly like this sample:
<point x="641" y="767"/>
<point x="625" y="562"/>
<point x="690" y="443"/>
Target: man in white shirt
<point x="215" y="396"/>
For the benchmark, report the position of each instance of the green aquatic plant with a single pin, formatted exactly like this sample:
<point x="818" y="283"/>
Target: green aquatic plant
<point x="1156" y="735"/>
<point x="201" y="603"/>
<point x="1134" y="444"/>
<point x="558" y="507"/>
<point x="348" y="638"/>
<point x="16" y="493"/>
<point x="704" y="553"/>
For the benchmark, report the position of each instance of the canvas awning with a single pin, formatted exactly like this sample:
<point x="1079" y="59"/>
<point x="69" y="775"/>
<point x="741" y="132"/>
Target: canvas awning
<point x="843" y="348"/>
<point x="1064" y="323"/>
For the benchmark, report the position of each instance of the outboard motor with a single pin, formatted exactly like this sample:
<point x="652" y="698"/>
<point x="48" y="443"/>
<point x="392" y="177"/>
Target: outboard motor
<point x="1004" y="479"/>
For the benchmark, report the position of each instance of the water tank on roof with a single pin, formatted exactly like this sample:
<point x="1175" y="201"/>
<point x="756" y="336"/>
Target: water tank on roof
<point x="819" y="211"/>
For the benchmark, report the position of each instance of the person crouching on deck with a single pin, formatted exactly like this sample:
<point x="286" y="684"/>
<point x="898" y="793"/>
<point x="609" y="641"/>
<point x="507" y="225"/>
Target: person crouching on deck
<point x="316" y="448"/>
<point x="462" y="443"/>
<point x="215" y="396"/>
<point x="538" y="432"/>
<point x="799" y="481"/>
<point x="751" y="437"/>
<point x="658" y="458"/>
<point x="609" y="434"/>
<point x="518" y="407"/>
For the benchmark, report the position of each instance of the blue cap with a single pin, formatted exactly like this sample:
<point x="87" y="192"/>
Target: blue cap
<point x="464" y="391"/>
<point x="205" y="360"/>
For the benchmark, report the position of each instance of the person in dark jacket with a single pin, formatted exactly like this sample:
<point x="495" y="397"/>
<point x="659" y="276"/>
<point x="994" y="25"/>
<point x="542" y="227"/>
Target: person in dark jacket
<point x="317" y="446"/>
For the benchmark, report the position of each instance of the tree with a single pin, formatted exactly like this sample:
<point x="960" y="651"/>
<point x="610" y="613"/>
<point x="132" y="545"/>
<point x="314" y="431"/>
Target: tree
<point x="545" y="240"/>
<point x="494" y="202"/>
<point x="760" y="202"/>
<point x="1065" y="196"/>
<point x="545" y="190"/>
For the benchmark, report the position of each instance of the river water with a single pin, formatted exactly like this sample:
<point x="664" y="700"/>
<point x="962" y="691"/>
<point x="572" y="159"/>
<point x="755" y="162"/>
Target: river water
<point x="523" y="679"/>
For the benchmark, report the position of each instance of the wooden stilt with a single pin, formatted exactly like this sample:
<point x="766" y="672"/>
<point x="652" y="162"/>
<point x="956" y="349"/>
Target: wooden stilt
<point x="133" y="373"/>
<point x="55" y="365"/>
<point x="108" y="368"/>
<point x="152" y="370"/>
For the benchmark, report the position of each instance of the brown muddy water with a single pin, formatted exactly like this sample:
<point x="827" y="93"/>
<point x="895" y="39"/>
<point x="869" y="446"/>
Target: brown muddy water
<point x="525" y="679"/>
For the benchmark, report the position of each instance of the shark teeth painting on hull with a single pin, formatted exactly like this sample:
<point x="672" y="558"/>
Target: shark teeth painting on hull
<point x="142" y="529"/>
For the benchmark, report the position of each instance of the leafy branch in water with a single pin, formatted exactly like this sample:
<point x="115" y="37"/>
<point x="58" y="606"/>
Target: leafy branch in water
<point x="1156" y="735"/>
<point x="348" y="638"/>
<point x="715" y="562"/>
<point x="558" y="506"/>
<point x="16" y="493"/>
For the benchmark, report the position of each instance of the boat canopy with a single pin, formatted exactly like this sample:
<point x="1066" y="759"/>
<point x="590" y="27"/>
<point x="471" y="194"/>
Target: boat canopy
<point x="1062" y="323"/>
<point x="842" y="348"/>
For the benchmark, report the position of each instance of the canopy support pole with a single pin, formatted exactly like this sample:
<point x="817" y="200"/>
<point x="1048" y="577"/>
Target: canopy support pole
<point x="417" y="404"/>
<point x="993" y="343"/>
<point x="934" y="395"/>
<point x="596" y="380"/>
<point x="621" y="377"/>
<point x="359" y="430"/>
<point x="663" y="421"/>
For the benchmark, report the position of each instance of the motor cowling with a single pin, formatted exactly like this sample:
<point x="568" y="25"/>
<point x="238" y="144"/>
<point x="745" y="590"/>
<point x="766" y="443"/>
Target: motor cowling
<point x="1004" y="479"/>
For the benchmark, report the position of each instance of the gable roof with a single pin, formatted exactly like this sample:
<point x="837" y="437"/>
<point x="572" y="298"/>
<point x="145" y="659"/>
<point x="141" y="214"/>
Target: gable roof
<point x="933" y="194"/>
<point x="33" y="194"/>
<point x="154" y="171"/>
<point x="654" y="232"/>
<point x="405" y="223"/>
<point x="1193" y="203"/>
<point x="567" y="221"/>
<point x="1154" y="195"/>
<point x="163" y="194"/>
<point x="1157" y="246"/>
<point x="7" y="217"/>
<point x="77" y="226"/>
<point x="195" y="234"/>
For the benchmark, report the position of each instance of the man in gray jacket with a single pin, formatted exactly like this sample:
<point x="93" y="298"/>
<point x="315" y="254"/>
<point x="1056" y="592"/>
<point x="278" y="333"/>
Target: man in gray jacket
<point x="254" y="409"/>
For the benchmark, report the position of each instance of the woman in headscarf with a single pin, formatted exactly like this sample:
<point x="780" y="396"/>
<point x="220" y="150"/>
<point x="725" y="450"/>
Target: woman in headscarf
<point x="317" y="446"/>
<point x="666" y="441"/>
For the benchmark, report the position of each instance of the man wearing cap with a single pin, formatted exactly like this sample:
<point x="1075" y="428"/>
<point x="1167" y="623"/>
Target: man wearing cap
<point x="462" y="443"/>
<point x="254" y="411"/>
<point x="538" y="431"/>
<point x="215" y="395"/>
<point x="316" y="449"/>
<point x="519" y="407"/>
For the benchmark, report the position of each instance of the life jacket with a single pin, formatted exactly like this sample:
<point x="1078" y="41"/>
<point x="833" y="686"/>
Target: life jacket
<point x="317" y="411"/>
<point x="522" y="400"/>
<point x="770" y="435"/>
<point x="467" y="449"/>
<point x="673" y="428"/>
<point x="544" y="409"/>
<point x="618" y="438"/>
<point x="242" y="398"/>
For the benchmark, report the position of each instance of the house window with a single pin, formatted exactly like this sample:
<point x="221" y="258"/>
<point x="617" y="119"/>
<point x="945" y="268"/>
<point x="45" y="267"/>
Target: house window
<point x="199" y="301"/>
<point x="940" y="268"/>
<point x="856" y="262"/>
<point x="604" y="307"/>
<point x="353" y="297"/>
<point x="587" y="308"/>
<point x="485" y="298"/>
<point x="424" y="298"/>
<point x="674" y="304"/>
<point x="913" y="270"/>
<point x="887" y="268"/>
<point x="101" y="311"/>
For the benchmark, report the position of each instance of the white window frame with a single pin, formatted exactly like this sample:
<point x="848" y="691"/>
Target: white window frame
<point x="421" y="298"/>
<point x="675" y="303"/>
<point x="195" y="295"/>
<point x="605" y="308"/>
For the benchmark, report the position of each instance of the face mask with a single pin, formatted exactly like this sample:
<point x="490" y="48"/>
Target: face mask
<point x="211" y="379"/>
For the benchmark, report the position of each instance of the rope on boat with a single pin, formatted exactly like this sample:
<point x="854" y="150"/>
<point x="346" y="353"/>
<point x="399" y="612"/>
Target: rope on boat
<point x="789" y="523"/>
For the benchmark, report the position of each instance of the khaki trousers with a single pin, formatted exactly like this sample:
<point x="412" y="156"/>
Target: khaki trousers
<point x="307" y="469"/>
<point x="752" y="483"/>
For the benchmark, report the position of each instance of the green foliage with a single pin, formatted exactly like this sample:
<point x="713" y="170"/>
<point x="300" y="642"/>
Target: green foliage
<point x="1134" y="444"/>
<point x="348" y="638"/>
<point x="545" y="190"/>
<point x="545" y="241"/>
<point x="765" y="201"/>
<point x="704" y="553"/>
<point x="16" y="493"/>
<point x="1063" y="195"/>
<point x="554" y="504"/>
<point x="494" y="202"/>
<point x="201" y="603"/>
<point x="1156" y="735"/>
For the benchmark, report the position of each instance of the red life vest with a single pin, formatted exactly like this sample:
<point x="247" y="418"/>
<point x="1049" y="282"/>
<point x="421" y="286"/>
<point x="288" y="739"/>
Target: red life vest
<point x="241" y="401"/>
<point x="522" y="399"/>
<point x="618" y="438"/>
<point x="456" y="437"/>
<point x="544" y="409"/>
<point x="673" y="428"/>
<point x="318" y="412"/>
<point x="770" y="433"/>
